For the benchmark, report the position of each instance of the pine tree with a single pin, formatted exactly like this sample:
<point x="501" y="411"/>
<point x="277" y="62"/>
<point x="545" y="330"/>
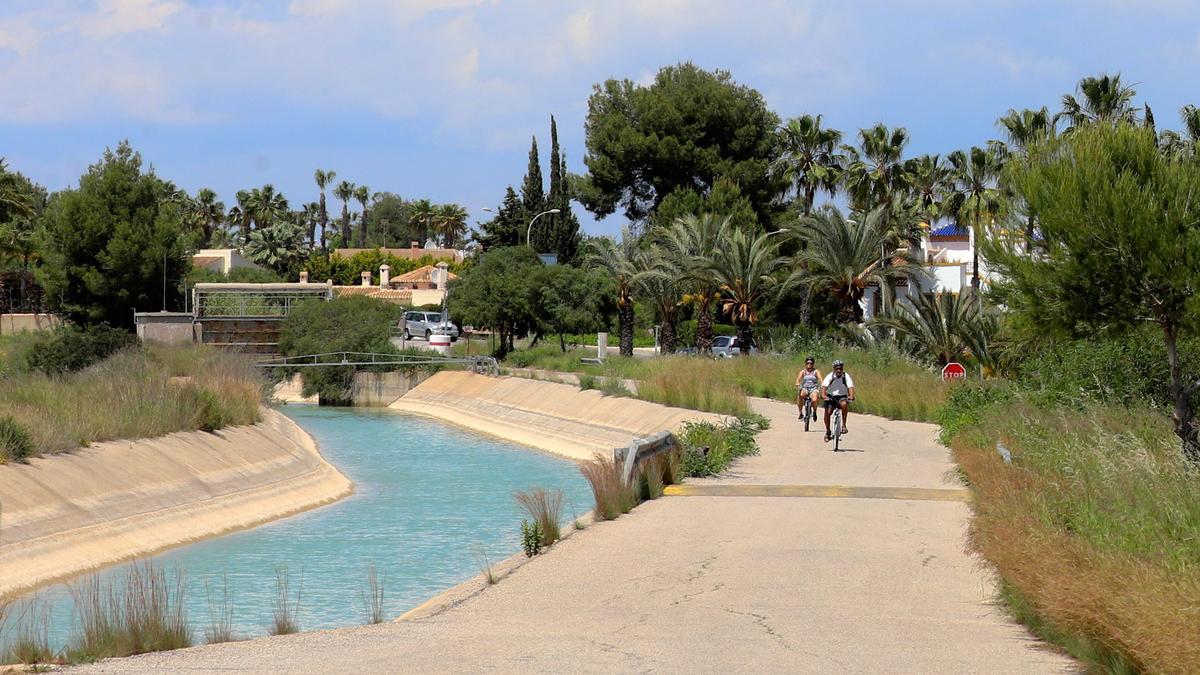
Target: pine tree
<point x="533" y="196"/>
<point x="508" y="227"/>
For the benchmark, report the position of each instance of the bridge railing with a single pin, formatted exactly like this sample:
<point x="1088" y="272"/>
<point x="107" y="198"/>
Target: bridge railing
<point x="642" y="449"/>
<point x="485" y="365"/>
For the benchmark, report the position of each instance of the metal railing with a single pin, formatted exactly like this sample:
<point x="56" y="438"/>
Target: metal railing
<point x="642" y="449"/>
<point x="484" y="365"/>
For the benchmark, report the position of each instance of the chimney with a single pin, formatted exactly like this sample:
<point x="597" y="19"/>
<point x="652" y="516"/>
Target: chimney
<point x="416" y="245"/>
<point x="442" y="275"/>
<point x="384" y="275"/>
<point x="304" y="277"/>
<point x="366" y="278"/>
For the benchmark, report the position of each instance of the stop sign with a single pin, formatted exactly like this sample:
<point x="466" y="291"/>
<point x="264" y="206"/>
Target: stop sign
<point x="953" y="371"/>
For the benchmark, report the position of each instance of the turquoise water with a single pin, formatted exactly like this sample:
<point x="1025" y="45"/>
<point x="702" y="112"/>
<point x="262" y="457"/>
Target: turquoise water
<point x="430" y="502"/>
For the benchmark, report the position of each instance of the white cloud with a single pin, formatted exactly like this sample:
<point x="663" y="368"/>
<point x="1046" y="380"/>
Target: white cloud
<point x="118" y="17"/>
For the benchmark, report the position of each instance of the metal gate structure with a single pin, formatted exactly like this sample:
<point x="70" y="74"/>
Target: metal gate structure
<point x="249" y="317"/>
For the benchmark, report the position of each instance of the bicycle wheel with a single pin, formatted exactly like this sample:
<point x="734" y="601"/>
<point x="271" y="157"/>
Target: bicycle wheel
<point x="807" y="413"/>
<point x="837" y="429"/>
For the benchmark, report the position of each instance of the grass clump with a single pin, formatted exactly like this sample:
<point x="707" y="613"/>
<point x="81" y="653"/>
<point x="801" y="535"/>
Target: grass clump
<point x="142" y="612"/>
<point x="1094" y="526"/>
<point x="30" y="644"/>
<point x="531" y="538"/>
<point x="15" y="441"/>
<point x="544" y="507"/>
<point x="709" y="447"/>
<point x="372" y="595"/>
<point x="220" y="614"/>
<point x="613" y="496"/>
<point x="286" y="619"/>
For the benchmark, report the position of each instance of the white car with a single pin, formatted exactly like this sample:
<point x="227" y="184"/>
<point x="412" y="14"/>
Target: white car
<point x="424" y="324"/>
<point x="723" y="347"/>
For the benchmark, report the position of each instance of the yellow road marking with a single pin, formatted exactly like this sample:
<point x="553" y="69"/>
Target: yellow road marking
<point x="835" y="491"/>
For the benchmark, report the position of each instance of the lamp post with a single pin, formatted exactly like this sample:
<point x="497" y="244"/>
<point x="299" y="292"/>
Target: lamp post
<point x="529" y="230"/>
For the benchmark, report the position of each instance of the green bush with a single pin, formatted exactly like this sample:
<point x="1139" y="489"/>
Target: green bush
<point x="69" y="349"/>
<point x="531" y="538"/>
<point x="210" y="415"/>
<point x="967" y="403"/>
<point x="15" y="441"/>
<point x="685" y="333"/>
<point x="709" y="448"/>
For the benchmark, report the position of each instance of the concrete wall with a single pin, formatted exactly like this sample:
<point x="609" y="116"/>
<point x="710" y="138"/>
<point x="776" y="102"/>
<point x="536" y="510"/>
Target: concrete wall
<point x="379" y="390"/>
<point x="165" y="327"/>
<point x="19" y="323"/>
<point x="76" y="512"/>
<point x="558" y="418"/>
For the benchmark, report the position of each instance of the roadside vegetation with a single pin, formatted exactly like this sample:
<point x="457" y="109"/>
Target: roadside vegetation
<point x="55" y="399"/>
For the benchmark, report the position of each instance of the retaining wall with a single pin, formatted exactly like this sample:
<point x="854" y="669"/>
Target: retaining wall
<point x="79" y="511"/>
<point x="557" y="418"/>
<point x="19" y="323"/>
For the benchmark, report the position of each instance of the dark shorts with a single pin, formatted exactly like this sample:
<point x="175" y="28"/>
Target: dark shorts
<point x="834" y="401"/>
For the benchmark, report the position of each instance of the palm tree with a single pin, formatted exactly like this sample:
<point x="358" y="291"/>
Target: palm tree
<point x="842" y="257"/>
<point x="209" y="212"/>
<point x="943" y="327"/>
<point x="269" y="206"/>
<point x="324" y="179"/>
<point x="974" y="191"/>
<point x="12" y="197"/>
<point x="1024" y="129"/>
<point x="345" y="192"/>
<point x="451" y="222"/>
<point x="619" y="260"/>
<point x="309" y="217"/>
<point x="362" y="194"/>
<point x="747" y="269"/>
<point x="811" y="159"/>
<point x="659" y="280"/>
<point x="929" y="177"/>
<point x="18" y="239"/>
<point x="422" y="218"/>
<point x="1105" y="99"/>
<point x="244" y="212"/>
<point x="279" y="247"/>
<point x="690" y="241"/>
<point x="1185" y="145"/>
<point x="876" y="174"/>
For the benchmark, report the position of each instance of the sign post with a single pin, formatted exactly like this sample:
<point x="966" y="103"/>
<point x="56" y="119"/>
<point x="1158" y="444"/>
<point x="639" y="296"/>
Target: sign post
<point x="954" y="371"/>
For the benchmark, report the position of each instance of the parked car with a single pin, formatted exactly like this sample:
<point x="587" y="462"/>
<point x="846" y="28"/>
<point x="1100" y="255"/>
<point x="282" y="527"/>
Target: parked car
<point x="424" y="324"/>
<point x="726" y="346"/>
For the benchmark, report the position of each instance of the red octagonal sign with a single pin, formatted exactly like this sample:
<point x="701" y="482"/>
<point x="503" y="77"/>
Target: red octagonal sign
<point x="953" y="371"/>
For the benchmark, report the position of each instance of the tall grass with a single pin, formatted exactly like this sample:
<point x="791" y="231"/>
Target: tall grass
<point x="30" y="643"/>
<point x="613" y="496"/>
<point x="544" y="507"/>
<point x="372" y="595"/>
<point x="142" y="612"/>
<point x="1094" y="528"/>
<point x="220" y="614"/>
<point x="133" y="394"/>
<point x="286" y="619"/>
<point x="694" y="383"/>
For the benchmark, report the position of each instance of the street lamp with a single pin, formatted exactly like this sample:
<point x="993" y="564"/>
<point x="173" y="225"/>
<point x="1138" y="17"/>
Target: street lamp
<point x="529" y="230"/>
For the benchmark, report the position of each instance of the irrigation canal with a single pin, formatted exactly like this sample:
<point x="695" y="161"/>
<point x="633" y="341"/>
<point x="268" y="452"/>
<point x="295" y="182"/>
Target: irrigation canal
<point x="431" y="502"/>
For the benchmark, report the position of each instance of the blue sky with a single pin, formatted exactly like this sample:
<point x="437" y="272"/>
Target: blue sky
<point x="439" y="98"/>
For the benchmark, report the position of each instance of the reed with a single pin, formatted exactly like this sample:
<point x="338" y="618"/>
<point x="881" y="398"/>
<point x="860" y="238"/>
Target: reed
<point x="141" y="612"/>
<point x="544" y="507"/>
<point x="286" y="619"/>
<point x="220" y="613"/>
<point x="612" y="495"/>
<point x="372" y="595"/>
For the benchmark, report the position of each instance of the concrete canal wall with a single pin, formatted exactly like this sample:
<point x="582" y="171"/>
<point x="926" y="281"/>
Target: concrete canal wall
<point x="75" y="512"/>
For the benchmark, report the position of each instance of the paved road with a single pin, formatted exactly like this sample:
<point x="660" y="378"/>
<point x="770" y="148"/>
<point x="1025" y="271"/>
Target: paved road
<point x="716" y="583"/>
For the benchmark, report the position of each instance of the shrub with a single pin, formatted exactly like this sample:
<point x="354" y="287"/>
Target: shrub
<point x="709" y="447"/>
<point x="588" y="381"/>
<point x="210" y="416"/>
<point x="15" y="442"/>
<point x="286" y="619"/>
<point x="545" y="508"/>
<point x="142" y="613"/>
<point x="531" y="538"/>
<point x="612" y="495"/>
<point x="69" y="349"/>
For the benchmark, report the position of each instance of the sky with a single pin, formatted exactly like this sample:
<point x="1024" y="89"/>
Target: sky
<point x="440" y="98"/>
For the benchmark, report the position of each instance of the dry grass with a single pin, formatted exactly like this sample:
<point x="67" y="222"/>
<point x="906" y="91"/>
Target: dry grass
<point x="693" y="383"/>
<point x="286" y="619"/>
<point x="30" y="642"/>
<point x="372" y="595"/>
<point x="220" y="614"/>
<point x="1095" y="529"/>
<point x="143" y="612"/>
<point x="133" y="395"/>
<point x="613" y="496"/>
<point x="545" y="507"/>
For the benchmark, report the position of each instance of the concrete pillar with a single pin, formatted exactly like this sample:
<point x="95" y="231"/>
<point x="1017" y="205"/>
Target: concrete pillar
<point x="442" y="275"/>
<point x="304" y="277"/>
<point x="601" y="345"/>
<point x="366" y="278"/>
<point x="385" y="272"/>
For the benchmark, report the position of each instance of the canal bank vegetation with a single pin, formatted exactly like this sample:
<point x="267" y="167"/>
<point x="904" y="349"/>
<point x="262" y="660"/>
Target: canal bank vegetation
<point x="53" y="399"/>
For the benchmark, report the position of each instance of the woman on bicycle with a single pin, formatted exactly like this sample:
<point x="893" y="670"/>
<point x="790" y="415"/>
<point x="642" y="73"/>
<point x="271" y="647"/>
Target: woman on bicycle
<point x="808" y="385"/>
<point x="838" y="390"/>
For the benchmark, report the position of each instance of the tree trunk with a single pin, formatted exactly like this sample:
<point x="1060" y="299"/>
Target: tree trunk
<point x="502" y="350"/>
<point x="625" y="327"/>
<point x="1183" y="415"/>
<point x="850" y="310"/>
<point x="666" y="335"/>
<point x="346" y="243"/>
<point x="562" y="342"/>
<point x="704" y="323"/>
<point x="745" y="336"/>
<point x="806" y="309"/>
<point x="324" y="221"/>
<point x="362" y="230"/>
<point x="1029" y="235"/>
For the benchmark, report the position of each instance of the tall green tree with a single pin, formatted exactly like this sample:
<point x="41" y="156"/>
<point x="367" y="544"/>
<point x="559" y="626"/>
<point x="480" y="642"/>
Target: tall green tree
<point x="1101" y="99"/>
<point x="280" y="247"/>
<point x="243" y="212"/>
<point x="506" y="228"/>
<point x="533" y="195"/>
<point x="974" y="195"/>
<point x="107" y="241"/>
<point x="747" y="270"/>
<point x="345" y="192"/>
<point x="499" y="293"/>
<point x="686" y="129"/>
<point x="268" y="206"/>
<point x="619" y="260"/>
<point x="422" y="219"/>
<point x="571" y="300"/>
<point x="450" y="222"/>
<point x="324" y="179"/>
<point x="724" y="199"/>
<point x="209" y="212"/>
<point x="1120" y="225"/>
<point x="876" y="173"/>
<point x="691" y="241"/>
<point x="942" y="327"/>
<point x="563" y="228"/>
<point x="811" y="159"/>
<point x="1023" y="129"/>
<point x="362" y="194"/>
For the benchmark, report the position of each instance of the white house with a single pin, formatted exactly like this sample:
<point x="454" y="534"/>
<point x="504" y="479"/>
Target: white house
<point x="221" y="260"/>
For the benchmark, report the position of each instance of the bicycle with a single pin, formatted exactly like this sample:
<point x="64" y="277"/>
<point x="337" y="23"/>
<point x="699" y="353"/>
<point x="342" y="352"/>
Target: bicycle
<point x="810" y="413"/>
<point x="835" y="424"/>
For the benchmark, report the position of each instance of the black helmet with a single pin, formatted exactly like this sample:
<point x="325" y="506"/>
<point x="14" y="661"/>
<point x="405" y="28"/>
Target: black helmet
<point x="809" y="359"/>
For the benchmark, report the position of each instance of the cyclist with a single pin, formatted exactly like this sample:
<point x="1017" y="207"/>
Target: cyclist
<point x="808" y="384"/>
<point x="838" y="390"/>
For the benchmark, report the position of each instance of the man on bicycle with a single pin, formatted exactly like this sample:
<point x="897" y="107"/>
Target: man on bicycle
<point x="808" y="385"/>
<point x="838" y="390"/>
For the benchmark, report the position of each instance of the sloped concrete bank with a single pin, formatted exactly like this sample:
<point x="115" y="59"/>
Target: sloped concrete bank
<point x="553" y="417"/>
<point x="76" y="512"/>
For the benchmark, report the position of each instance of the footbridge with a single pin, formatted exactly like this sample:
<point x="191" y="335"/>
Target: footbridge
<point x="482" y="365"/>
